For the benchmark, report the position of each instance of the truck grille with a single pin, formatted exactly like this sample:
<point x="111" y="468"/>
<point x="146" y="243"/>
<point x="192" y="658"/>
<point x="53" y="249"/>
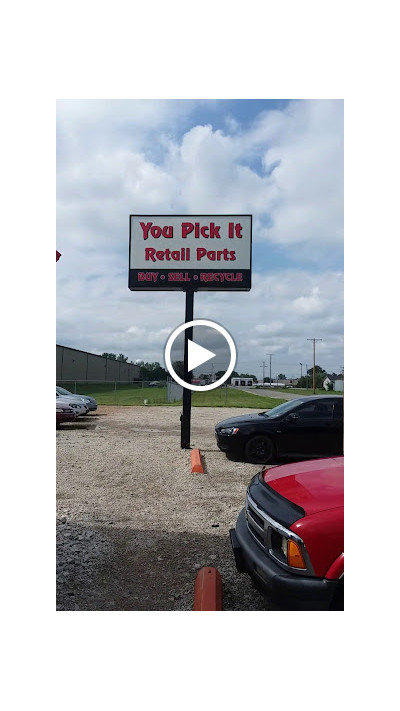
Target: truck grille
<point x="268" y="534"/>
<point x="257" y="525"/>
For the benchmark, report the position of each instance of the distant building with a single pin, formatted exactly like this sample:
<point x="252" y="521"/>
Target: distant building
<point x="337" y="381"/>
<point x="73" y="364"/>
<point x="242" y="382"/>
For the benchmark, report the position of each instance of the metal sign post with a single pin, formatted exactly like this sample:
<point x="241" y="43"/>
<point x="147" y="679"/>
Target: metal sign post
<point x="187" y="375"/>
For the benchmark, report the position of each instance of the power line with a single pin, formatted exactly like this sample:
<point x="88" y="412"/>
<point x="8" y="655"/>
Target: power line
<point x="270" y="356"/>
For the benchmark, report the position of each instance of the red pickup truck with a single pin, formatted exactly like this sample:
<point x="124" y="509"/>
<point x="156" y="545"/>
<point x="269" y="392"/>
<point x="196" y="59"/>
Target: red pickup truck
<point x="289" y="537"/>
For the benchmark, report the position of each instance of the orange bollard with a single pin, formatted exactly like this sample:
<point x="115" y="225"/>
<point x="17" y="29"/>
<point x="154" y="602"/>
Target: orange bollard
<point x="195" y="458"/>
<point x="208" y="590"/>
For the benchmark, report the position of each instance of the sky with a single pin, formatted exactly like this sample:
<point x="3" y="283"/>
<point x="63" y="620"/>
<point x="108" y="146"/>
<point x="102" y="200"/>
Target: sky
<point x="281" y="161"/>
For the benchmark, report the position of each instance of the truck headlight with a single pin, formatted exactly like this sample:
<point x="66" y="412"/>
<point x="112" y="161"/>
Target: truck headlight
<point x="288" y="551"/>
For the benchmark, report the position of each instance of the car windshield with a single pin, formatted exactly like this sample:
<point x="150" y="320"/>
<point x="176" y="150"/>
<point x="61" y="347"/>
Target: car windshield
<point x="282" y="409"/>
<point x="63" y="391"/>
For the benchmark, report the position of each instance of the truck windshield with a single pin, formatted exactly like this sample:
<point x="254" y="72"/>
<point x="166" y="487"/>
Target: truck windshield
<point x="283" y="409"/>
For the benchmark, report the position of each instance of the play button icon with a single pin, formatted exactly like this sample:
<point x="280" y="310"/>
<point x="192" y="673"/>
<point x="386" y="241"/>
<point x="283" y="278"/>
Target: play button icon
<point x="198" y="354"/>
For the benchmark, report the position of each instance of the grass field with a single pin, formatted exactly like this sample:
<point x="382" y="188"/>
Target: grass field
<point x="135" y="394"/>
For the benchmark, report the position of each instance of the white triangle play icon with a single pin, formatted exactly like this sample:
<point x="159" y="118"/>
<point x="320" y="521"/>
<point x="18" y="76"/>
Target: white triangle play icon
<point x="197" y="355"/>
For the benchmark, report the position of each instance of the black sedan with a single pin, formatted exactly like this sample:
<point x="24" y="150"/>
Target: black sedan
<point x="302" y="428"/>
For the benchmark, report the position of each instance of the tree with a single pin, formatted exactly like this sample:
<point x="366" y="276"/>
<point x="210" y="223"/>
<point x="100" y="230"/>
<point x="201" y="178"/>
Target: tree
<point x="122" y="358"/>
<point x="281" y="376"/>
<point x="219" y="374"/>
<point x="320" y="375"/>
<point x="152" y="371"/>
<point x="111" y="356"/>
<point x="178" y="366"/>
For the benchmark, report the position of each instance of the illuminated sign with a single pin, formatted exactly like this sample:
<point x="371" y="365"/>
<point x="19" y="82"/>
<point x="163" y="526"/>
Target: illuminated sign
<point x="201" y="252"/>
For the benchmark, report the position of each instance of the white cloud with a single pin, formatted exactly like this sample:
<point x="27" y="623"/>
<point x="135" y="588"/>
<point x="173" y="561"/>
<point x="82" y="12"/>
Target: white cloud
<point x="117" y="158"/>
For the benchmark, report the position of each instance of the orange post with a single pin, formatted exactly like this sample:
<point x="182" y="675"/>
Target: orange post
<point x="208" y="590"/>
<point x="195" y="458"/>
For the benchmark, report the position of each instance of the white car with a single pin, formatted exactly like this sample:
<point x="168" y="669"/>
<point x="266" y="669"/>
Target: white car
<point x="87" y="399"/>
<point x="76" y="403"/>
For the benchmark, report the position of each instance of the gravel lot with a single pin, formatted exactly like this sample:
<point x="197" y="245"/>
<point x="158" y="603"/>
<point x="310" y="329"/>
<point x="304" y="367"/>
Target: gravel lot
<point x="133" y="524"/>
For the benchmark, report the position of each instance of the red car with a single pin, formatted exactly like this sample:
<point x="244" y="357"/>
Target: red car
<point x="64" y="414"/>
<point x="290" y="536"/>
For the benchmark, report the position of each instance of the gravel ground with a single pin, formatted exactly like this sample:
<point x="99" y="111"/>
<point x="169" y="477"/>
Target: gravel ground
<point x="133" y="524"/>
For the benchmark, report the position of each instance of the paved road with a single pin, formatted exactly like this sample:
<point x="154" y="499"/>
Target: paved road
<point x="271" y="393"/>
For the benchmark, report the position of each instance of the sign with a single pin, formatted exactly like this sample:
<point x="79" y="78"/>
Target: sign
<point x="199" y="252"/>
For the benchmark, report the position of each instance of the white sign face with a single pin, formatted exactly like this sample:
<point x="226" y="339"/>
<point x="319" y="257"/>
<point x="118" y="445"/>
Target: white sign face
<point x="190" y="252"/>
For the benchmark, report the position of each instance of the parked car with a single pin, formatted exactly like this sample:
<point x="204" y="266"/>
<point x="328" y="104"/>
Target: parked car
<point x="64" y="413"/>
<point x="90" y="401"/>
<point x="76" y="403"/>
<point x="289" y="537"/>
<point x="305" y="427"/>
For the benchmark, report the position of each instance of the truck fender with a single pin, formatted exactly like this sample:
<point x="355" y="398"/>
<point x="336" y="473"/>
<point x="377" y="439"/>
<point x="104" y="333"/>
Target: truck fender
<point x="336" y="570"/>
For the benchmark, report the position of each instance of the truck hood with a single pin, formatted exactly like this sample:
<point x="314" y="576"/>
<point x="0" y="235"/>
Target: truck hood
<point x="316" y="485"/>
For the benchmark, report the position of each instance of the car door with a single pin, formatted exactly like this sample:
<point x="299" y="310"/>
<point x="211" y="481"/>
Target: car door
<point x="337" y="426"/>
<point x="309" y="430"/>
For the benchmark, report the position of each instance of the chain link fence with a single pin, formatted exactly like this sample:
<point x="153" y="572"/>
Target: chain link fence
<point x="122" y="392"/>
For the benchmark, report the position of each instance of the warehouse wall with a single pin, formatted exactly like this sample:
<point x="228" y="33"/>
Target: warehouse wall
<point x="73" y="364"/>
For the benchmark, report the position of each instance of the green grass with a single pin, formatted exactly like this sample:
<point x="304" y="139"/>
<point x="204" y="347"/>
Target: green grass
<point x="106" y="394"/>
<point x="135" y="394"/>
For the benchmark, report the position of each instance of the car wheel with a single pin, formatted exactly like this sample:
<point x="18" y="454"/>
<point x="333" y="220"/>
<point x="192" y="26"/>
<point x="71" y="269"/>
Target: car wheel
<point x="259" y="450"/>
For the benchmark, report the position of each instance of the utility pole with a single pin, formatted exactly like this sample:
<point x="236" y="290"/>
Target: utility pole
<point x="306" y="377"/>
<point x="313" y="373"/>
<point x="270" y="356"/>
<point x="301" y="370"/>
<point x="263" y="367"/>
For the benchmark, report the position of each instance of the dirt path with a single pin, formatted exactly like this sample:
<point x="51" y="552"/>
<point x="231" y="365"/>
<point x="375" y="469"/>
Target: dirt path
<point x="133" y="524"/>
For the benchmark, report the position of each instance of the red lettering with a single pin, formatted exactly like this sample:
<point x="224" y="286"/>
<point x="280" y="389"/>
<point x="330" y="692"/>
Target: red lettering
<point x="238" y="229"/>
<point x="204" y="232"/>
<point x="160" y="255"/>
<point x="214" y="231"/>
<point x="147" y="276"/>
<point x="149" y="253"/>
<point x="201" y="252"/>
<point x="232" y="255"/>
<point x="187" y="228"/>
<point x="145" y="229"/>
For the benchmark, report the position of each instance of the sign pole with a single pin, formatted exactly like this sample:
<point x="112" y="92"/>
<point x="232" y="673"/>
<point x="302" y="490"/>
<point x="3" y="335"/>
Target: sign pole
<point x="187" y="394"/>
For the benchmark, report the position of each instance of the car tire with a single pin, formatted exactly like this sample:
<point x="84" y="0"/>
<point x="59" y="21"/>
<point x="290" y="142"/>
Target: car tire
<point x="259" y="450"/>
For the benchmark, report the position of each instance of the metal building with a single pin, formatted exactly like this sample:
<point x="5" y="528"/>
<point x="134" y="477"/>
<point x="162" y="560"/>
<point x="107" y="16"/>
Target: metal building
<point x="73" y="364"/>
